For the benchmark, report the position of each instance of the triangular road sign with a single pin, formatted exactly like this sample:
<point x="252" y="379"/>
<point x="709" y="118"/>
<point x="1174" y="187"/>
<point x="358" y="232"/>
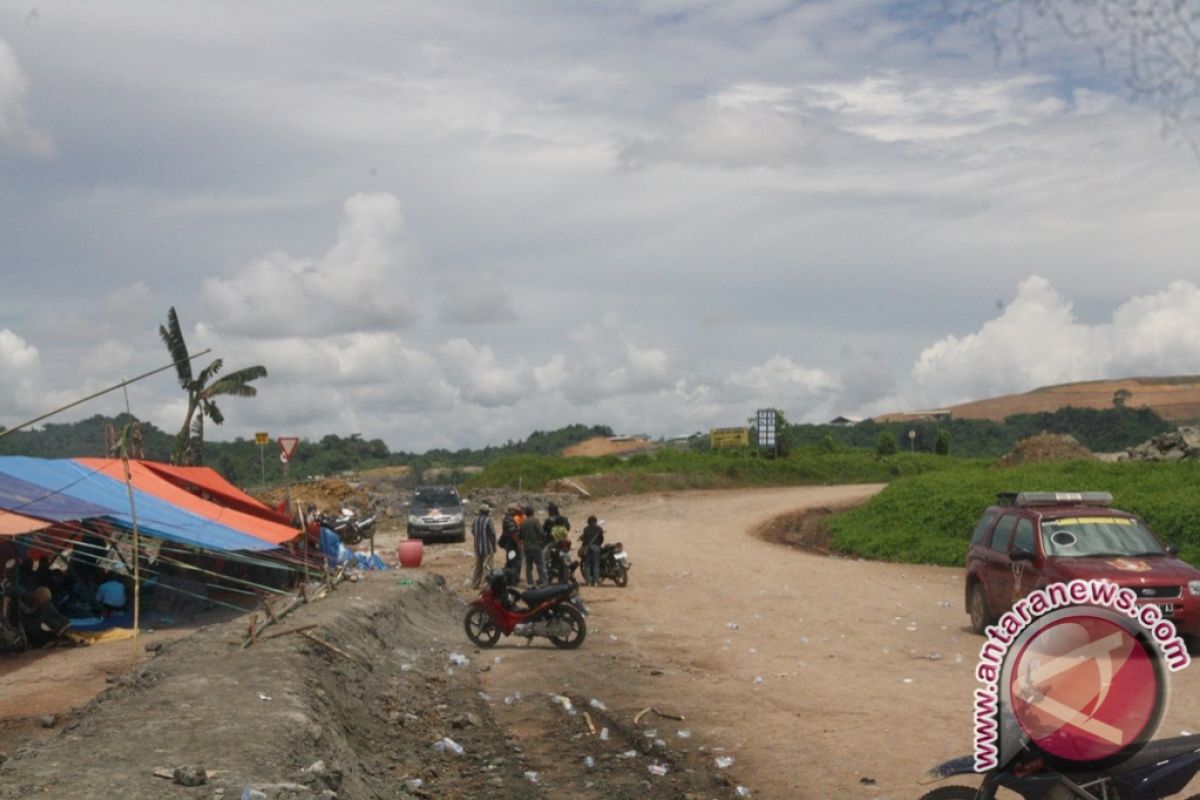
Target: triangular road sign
<point x="287" y="445"/>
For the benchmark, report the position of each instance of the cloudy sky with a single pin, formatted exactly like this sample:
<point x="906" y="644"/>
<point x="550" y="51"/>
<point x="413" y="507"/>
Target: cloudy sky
<point x="449" y="224"/>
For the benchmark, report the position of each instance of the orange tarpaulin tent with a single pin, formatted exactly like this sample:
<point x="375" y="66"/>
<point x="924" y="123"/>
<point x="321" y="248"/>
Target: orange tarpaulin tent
<point x="151" y="482"/>
<point x="14" y="524"/>
<point x="209" y="484"/>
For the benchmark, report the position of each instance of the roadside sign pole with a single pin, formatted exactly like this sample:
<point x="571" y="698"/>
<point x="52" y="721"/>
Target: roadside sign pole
<point x="261" y="438"/>
<point x="287" y="449"/>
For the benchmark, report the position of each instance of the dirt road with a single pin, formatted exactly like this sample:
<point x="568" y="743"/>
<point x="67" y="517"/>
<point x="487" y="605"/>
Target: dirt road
<point x="866" y="668"/>
<point x="821" y="677"/>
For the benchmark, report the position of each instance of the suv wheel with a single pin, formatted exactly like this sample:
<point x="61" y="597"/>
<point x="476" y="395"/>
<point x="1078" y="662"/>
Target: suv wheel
<point x="981" y="616"/>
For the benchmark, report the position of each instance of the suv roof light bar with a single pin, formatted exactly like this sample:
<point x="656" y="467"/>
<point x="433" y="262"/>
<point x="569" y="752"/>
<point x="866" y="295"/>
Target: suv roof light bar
<point x="1103" y="499"/>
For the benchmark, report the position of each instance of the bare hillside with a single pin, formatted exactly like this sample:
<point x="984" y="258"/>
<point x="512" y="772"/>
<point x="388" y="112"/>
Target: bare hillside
<point x="1172" y="398"/>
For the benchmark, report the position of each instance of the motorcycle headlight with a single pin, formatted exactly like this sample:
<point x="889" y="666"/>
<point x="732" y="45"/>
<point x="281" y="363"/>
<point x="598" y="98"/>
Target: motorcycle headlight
<point x="1194" y="588"/>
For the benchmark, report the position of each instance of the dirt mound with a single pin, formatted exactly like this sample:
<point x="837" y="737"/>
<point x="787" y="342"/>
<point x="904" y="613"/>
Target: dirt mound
<point x="355" y="712"/>
<point x="605" y="446"/>
<point x="1047" y="447"/>
<point x="807" y="529"/>
<point x="380" y="490"/>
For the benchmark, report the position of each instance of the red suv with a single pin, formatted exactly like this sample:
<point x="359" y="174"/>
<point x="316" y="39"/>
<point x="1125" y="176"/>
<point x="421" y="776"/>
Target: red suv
<point x="1033" y="539"/>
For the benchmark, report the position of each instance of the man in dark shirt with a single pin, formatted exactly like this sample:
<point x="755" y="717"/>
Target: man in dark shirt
<point x="533" y="539"/>
<point x="43" y="622"/>
<point x="590" y="541"/>
<point x="555" y="520"/>
<point x="510" y="543"/>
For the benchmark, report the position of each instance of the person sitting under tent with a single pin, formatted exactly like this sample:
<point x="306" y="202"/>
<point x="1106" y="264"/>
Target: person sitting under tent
<point x="110" y="595"/>
<point x="43" y="622"/>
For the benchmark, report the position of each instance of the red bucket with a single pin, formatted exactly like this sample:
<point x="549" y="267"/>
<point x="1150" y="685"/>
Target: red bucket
<point x="410" y="552"/>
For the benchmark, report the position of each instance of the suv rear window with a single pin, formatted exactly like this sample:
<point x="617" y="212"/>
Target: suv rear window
<point x="984" y="525"/>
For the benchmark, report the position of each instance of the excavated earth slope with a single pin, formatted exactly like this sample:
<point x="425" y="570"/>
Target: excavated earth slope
<point x="368" y="701"/>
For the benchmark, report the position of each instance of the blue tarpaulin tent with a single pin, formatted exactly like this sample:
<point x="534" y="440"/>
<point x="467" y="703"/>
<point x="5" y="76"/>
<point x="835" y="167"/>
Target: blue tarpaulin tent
<point x="61" y="490"/>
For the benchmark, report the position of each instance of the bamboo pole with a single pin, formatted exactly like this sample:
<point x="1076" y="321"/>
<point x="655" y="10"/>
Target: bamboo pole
<point x="120" y="385"/>
<point x="137" y="550"/>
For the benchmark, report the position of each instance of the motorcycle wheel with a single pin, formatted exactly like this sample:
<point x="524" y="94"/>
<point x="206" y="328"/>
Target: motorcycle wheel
<point x="622" y="576"/>
<point x="951" y="793"/>
<point x="481" y="628"/>
<point x="570" y="615"/>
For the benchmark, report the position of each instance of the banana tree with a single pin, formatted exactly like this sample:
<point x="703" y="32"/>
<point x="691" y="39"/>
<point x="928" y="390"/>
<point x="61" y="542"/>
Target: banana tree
<point x="201" y="388"/>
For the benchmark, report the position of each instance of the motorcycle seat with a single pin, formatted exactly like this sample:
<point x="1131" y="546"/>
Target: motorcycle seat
<point x="540" y="595"/>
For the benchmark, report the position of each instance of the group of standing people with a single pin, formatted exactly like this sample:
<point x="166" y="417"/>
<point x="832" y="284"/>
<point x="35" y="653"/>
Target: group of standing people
<point x="523" y="539"/>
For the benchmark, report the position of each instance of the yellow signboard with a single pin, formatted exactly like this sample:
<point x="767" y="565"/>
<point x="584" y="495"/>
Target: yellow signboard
<point x="720" y="438"/>
<point x="261" y="437"/>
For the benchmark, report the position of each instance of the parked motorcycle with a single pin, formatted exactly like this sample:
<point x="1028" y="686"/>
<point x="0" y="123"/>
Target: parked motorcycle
<point x="555" y="611"/>
<point x="560" y="568"/>
<point x="348" y="527"/>
<point x="614" y="563"/>
<point x="1162" y="768"/>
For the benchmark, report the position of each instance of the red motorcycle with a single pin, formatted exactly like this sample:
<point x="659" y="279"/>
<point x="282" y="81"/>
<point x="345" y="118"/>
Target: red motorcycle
<point x="556" y="612"/>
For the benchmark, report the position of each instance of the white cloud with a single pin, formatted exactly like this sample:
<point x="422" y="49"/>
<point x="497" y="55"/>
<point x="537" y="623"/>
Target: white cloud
<point x="1038" y="340"/>
<point x="747" y="125"/>
<point x="480" y="380"/>
<point x="20" y="364"/>
<point x="1158" y="334"/>
<point x="894" y="107"/>
<point x="17" y="135"/>
<point x="366" y="281"/>
<point x="606" y="361"/>
<point x="779" y="377"/>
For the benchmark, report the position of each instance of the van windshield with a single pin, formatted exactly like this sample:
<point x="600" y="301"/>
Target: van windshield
<point x="1081" y="537"/>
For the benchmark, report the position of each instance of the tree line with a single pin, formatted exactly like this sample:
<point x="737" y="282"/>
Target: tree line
<point x="243" y="462"/>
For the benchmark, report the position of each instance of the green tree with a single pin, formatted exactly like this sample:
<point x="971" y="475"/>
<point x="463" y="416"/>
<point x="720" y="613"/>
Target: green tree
<point x="201" y="388"/>
<point x="886" y="445"/>
<point x="941" y="445"/>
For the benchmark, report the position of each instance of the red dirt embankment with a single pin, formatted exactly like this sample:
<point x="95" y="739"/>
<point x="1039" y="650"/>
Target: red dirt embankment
<point x="1176" y="398"/>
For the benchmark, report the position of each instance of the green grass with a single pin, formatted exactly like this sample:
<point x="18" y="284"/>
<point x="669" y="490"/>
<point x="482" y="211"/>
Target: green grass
<point x="928" y="518"/>
<point x="677" y="469"/>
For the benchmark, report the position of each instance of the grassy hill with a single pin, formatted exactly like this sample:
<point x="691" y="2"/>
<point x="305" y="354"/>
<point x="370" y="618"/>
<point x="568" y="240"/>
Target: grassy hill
<point x="929" y="518"/>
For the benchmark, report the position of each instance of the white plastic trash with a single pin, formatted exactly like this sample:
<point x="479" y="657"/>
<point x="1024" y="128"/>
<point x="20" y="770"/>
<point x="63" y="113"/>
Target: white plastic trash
<point x="448" y="745"/>
<point x="724" y="762"/>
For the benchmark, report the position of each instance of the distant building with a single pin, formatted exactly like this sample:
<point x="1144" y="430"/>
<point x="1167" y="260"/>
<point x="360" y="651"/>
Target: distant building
<point x="847" y="421"/>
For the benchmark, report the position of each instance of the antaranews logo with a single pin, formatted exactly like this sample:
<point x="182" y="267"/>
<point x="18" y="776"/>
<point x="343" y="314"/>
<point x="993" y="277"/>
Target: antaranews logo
<point x="1076" y="672"/>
